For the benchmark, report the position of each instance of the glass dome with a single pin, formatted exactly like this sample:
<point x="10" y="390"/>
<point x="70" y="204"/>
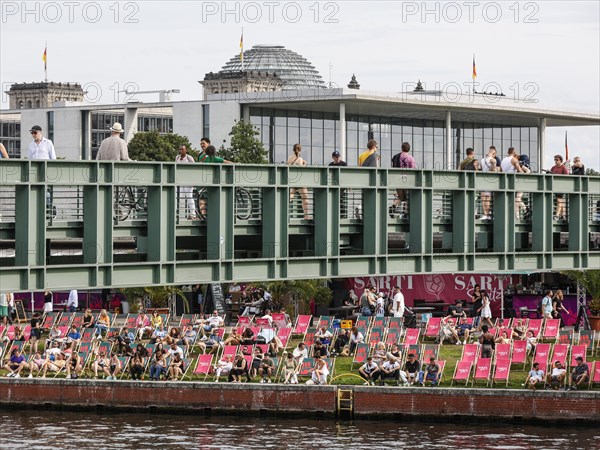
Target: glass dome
<point x="293" y="69"/>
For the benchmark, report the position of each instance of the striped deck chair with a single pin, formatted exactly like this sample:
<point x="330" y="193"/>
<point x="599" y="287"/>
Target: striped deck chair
<point x="302" y="324"/>
<point x="380" y="322"/>
<point x="203" y="366"/>
<point x="432" y="329"/>
<point x="551" y="329"/>
<point x="411" y="337"/>
<point x="462" y="372"/>
<point x="595" y="373"/>
<point x="279" y="320"/>
<point x="542" y="353"/>
<point x="393" y="336"/>
<point x="324" y="321"/>
<point x="396" y="323"/>
<point x="363" y="322"/>
<point x="501" y="371"/>
<point x="376" y="335"/>
<point x="483" y="371"/>
<point x="470" y="353"/>
<point x="186" y="319"/>
<point x="360" y="355"/>
<point x="566" y="337"/>
<point x="50" y="320"/>
<point x="77" y="321"/>
<point x="502" y="352"/>
<point x="309" y="336"/>
<point x="535" y="325"/>
<point x="578" y="350"/>
<point x="284" y="336"/>
<point x="263" y="323"/>
<point x="430" y="351"/>
<point x="65" y="320"/>
<point x="519" y="352"/>
<point x="559" y="353"/>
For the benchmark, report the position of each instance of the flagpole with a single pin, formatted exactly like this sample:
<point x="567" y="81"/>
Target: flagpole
<point x="46" y="62"/>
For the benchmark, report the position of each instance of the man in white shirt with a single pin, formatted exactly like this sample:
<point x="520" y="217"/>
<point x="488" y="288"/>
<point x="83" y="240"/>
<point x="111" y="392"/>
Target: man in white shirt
<point x="40" y="147"/>
<point x="300" y="353"/>
<point x="175" y="349"/>
<point x="73" y="301"/>
<point x="185" y="192"/>
<point x="114" y="148"/>
<point x="556" y="379"/>
<point x="398" y="303"/>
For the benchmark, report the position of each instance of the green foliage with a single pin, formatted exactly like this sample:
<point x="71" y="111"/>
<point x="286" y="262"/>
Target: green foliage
<point x="284" y="292"/>
<point x="153" y="146"/>
<point x="589" y="279"/>
<point x="591" y="171"/>
<point x="157" y="295"/>
<point x="245" y="146"/>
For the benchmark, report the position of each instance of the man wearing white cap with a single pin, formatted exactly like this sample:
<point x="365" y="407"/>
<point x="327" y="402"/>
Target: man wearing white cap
<point x="114" y="148"/>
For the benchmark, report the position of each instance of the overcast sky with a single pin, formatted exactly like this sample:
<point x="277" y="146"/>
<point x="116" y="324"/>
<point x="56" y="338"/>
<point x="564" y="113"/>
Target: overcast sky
<point x="165" y="45"/>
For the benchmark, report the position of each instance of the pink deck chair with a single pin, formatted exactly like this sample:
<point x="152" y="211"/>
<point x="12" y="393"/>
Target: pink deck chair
<point x="284" y="336"/>
<point x="279" y="320"/>
<point x="411" y="337"/>
<point x="551" y="329"/>
<point x="203" y="365"/>
<point x="432" y="330"/>
<point x="542" y="353"/>
<point x="535" y="325"/>
<point x="302" y="324"/>
<point x="502" y="352"/>
<point x="27" y="332"/>
<point x="244" y="321"/>
<point x="502" y="371"/>
<point x="462" y="372"/>
<point x="519" y="352"/>
<point x="230" y="350"/>
<point x="470" y="352"/>
<point x="263" y="347"/>
<point x="559" y="353"/>
<point x="483" y="371"/>
<point x="595" y="375"/>
<point x="263" y="323"/>
<point x="578" y="350"/>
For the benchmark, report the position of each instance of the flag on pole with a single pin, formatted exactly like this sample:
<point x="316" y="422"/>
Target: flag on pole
<point x="44" y="57"/>
<point x="474" y="68"/>
<point x="242" y="47"/>
<point x="566" y="147"/>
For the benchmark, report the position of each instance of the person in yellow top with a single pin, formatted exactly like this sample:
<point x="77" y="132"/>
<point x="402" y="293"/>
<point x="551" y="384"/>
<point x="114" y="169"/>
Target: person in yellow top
<point x="156" y="320"/>
<point x="369" y="158"/>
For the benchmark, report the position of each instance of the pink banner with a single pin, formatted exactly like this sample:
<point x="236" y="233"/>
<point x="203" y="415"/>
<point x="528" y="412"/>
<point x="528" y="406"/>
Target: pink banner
<point x="437" y="288"/>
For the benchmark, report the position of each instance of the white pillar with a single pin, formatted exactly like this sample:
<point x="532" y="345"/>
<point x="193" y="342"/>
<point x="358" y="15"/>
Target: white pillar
<point x="449" y="164"/>
<point x="86" y="137"/>
<point x="541" y="150"/>
<point x="342" y="148"/>
<point x="131" y="123"/>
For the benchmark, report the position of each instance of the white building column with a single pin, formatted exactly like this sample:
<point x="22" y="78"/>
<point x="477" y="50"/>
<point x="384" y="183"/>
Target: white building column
<point x="342" y="147"/>
<point x="131" y="123"/>
<point x="449" y="164"/>
<point x="541" y="149"/>
<point x="86" y="134"/>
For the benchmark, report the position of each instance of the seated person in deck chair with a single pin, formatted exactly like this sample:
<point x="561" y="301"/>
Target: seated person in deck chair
<point x="369" y="371"/>
<point x="556" y="379"/>
<point x="324" y="335"/>
<point x="580" y="374"/>
<point x="448" y="331"/>
<point x="412" y="366"/>
<point x="536" y="375"/>
<point x="390" y="369"/>
<point x="223" y="367"/>
<point x="431" y="373"/>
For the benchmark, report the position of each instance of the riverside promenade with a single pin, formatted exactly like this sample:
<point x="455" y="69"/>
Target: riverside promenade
<point x="442" y="404"/>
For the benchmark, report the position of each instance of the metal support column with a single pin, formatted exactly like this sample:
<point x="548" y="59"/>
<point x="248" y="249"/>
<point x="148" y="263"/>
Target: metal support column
<point x="449" y="164"/>
<point x="342" y="136"/>
<point x="541" y="150"/>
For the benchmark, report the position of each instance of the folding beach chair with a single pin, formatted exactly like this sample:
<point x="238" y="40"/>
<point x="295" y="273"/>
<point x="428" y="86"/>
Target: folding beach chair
<point x="396" y="323"/>
<point x="360" y="355"/>
<point x="586" y="337"/>
<point x="502" y="352"/>
<point x="230" y="350"/>
<point x="502" y="371"/>
<point x="86" y="335"/>
<point x="595" y="373"/>
<point x="519" y="352"/>
<point x="65" y="320"/>
<point x="379" y="322"/>
<point x="186" y="319"/>
<point x="432" y="329"/>
<point x="551" y="329"/>
<point x="578" y="350"/>
<point x="262" y="323"/>
<point x="302" y="324"/>
<point x="470" y="353"/>
<point x="375" y="336"/>
<point x="284" y="336"/>
<point x="324" y="321"/>
<point x="279" y="321"/>
<point x="462" y="372"/>
<point x="535" y="325"/>
<point x="393" y="336"/>
<point x="306" y="367"/>
<point x="430" y="351"/>
<point x="264" y="348"/>
<point x="77" y="321"/>
<point x="244" y="321"/>
<point x="560" y="353"/>
<point x="415" y="350"/>
<point x="565" y="337"/>
<point x="483" y="370"/>
<point x="27" y="332"/>
<point x="50" y="320"/>
<point x="203" y="366"/>
<point x="363" y="322"/>
<point x="411" y="337"/>
<point x="130" y="321"/>
<point x="542" y="353"/>
<point x="309" y="336"/>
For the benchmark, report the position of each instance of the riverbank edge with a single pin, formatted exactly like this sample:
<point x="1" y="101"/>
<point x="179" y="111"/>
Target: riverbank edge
<point x="412" y="403"/>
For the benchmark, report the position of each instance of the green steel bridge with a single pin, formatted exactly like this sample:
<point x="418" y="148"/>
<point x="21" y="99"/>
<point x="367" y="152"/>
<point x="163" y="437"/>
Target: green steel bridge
<point x="89" y="224"/>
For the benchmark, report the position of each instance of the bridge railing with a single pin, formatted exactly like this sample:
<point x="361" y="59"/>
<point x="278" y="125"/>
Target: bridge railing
<point x="95" y="224"/>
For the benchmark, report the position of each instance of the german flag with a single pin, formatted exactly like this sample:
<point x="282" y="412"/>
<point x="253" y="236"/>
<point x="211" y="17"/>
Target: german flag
<point x="44" y="57"/>
<point x="474" y="68"/>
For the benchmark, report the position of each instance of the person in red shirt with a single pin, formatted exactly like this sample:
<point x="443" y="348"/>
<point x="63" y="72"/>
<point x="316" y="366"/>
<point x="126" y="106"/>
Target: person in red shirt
<point x="559" y="169"/>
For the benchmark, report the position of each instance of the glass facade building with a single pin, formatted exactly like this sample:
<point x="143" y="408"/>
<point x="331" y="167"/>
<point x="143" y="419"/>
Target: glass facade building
<point x="318" y="133"/>
<point x="10" y="137"/>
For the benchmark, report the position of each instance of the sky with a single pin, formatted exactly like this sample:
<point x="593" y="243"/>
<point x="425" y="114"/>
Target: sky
<point x="546" y="51"/>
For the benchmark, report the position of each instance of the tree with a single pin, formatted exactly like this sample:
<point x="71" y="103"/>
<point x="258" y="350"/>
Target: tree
<point x="157" y="296"/>
<point x="589" y="279"/>
<point x="153" y="146"/>
<point x="591" y="171"/>
<point x="298" y="292"/>
<point x="245" y="147"/>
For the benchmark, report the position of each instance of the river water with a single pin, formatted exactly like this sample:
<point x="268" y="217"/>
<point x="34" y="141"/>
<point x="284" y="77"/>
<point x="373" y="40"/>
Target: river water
<point x="29" y="429"/>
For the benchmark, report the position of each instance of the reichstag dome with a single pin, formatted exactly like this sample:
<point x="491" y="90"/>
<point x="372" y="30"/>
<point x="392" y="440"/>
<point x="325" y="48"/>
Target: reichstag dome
<point x="293" y="69"/>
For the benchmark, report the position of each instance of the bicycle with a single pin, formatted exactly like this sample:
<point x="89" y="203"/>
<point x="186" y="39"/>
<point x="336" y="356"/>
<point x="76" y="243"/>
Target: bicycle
<point x="242" y="198"/>
<point x="126" y="201"/>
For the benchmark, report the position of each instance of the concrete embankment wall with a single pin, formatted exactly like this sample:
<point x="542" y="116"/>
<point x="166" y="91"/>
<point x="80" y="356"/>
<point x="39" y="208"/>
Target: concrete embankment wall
<point x="276" y="399"/>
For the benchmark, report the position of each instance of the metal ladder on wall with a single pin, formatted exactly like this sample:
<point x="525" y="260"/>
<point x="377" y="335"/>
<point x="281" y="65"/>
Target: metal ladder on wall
<point x="345" y="403"/>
